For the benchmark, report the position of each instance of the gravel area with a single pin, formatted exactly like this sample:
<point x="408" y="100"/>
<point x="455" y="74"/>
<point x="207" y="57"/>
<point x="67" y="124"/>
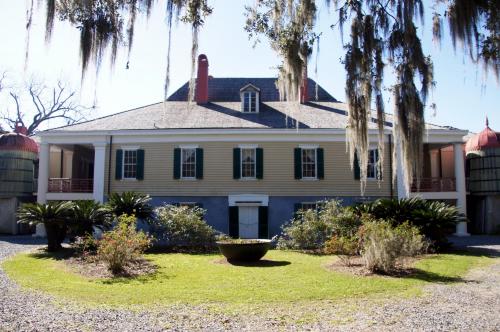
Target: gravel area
<point x="470" y="305"/>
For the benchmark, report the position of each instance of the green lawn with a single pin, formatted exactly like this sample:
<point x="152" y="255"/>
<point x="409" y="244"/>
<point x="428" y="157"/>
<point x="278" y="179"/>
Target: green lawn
<point x="198" y="279"/>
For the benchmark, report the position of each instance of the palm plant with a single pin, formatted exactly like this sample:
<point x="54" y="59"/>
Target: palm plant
<point x="130" y="203"/>
<point x="53" y="215"/>
<point x="85" y="215"/>
<point x="434" y="219"/>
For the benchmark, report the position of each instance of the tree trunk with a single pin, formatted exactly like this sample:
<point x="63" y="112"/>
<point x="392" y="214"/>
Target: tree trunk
<point x="55" y="236"/>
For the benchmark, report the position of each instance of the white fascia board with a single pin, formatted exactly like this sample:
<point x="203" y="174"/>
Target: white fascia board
<point x="234" y="135"/>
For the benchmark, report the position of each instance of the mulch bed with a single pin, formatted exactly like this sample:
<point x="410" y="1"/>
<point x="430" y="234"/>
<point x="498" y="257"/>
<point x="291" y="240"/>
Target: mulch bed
<point x="357" y="267"/>
<point x="90" y="267"/>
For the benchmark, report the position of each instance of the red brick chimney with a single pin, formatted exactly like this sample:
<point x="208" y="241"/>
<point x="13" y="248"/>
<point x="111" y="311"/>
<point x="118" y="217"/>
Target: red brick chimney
<point x="304" y="93"/>
<point x="201" y="92"/>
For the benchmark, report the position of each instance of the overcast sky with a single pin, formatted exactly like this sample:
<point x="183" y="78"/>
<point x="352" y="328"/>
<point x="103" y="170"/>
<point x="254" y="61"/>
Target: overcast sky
<point x="463" y="95"/>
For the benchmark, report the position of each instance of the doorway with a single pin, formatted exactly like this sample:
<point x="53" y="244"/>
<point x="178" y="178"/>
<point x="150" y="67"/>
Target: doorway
<point x="248" y="220"/>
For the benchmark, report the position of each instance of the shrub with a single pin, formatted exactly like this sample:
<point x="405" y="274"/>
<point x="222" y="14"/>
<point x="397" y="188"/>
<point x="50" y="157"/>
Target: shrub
<point x="383" y="245"/>
<point x="53" y="215"/>
<point x="182" y="226"/>
<point x="346" y="223"/>
<point x="122" y="245"/>
<point x="434" y="219"/>
<point x="130" y="203"/>
<point x="310" y="229"/>
<point x="344" y="247"/>
<point x="85" y="246"/>
<point x="306" y="231"/>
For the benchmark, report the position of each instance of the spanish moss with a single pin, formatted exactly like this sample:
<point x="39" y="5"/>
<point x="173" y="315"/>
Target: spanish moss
<point x="101" y="25"/>
<point x="29" y="21"/>
<point x="288" y="25"/>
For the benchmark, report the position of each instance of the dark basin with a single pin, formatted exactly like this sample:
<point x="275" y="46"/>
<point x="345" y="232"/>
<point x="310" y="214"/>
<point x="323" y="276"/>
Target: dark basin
<point x="244" y="250"/>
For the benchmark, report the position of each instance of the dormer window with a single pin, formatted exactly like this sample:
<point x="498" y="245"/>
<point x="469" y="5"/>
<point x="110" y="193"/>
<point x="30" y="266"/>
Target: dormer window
<point x="249" y="99"/>
<point x="250" y="102"/>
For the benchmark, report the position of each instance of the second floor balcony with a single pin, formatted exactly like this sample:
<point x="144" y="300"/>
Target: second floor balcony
<point x="70" y="185"/>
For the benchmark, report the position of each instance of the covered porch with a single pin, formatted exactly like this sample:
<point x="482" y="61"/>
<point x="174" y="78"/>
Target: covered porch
<point x="443" y="177"/>
<point x="71" y="171"/>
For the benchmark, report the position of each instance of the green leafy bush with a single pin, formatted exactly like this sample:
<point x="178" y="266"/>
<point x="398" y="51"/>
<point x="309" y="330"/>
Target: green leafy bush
<point x="310" y="229"/>
<point x="53" y="215"/>
<point x="383" y="245"/>
<point x="122" y="245"/>
<point x="182" y="226"/>
<point x="344" y="247"/>
<point x="307" y="231"/>
<point x="130" y="203"/>
<point x="434" y="219"/>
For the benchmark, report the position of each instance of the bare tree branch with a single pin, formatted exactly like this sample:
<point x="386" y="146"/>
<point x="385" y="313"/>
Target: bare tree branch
<point x="57" y="103"/>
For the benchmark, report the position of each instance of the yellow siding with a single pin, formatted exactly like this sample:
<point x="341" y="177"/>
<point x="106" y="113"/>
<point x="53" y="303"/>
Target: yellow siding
<point x="218" y="173"/>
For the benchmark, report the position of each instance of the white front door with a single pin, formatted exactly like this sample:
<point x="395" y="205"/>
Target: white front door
<point x="249" y="222"/>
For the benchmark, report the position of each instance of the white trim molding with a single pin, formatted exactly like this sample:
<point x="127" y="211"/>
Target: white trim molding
<point x="248" y="200"/>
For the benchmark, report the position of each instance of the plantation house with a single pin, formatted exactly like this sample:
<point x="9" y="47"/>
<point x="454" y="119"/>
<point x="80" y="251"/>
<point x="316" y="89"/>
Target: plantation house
<point x="239" y="152"/>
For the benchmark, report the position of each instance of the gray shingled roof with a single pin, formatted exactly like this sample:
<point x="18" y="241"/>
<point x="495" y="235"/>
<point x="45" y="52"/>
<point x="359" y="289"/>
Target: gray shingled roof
<point x="181" y="115"/>
<point x="224" y="111"/>
<point x="228" y="89"/>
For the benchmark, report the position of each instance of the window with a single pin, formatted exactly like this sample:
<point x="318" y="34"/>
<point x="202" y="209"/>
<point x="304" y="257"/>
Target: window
<point x="308" y="206"/>
<point x="308" y="163"/>
<point x="248" y="163"/>
<point x="372" y="172"/>
<point x="129" y="164"/>
<point x="188" y="163"/>
<point x="249" y="101"/>
<point x="188" y="204"/>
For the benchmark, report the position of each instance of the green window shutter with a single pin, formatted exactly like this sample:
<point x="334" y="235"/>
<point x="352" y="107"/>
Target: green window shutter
<point x="236" y="163"/>
<point x="263" y="222"/>
<point x="177" y="163"/>
<point x="140" y="165"/>
<point x="259" y="174"/>
<point x="118" y="162"/>
<point x="298" y="163"/>
<point x="357" y="171"/>
<point x="321" y="163"/>
<point x="234" y="222"/>
<point x="199" y="163"/>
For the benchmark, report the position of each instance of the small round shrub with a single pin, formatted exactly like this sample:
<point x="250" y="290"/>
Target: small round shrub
<point x="183" y="227"/>
<point x="122" y="245"/>
<point x="310" y="229"/>
<point x="383" y="245"/>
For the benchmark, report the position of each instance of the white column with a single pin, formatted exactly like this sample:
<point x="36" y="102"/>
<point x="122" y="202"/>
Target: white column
<point x="461" y="229"/>
<point x="43" y="182"/>
<point x="99" y="169"/>
<point x="403" y="189"/>
<point x="43" y="172"/>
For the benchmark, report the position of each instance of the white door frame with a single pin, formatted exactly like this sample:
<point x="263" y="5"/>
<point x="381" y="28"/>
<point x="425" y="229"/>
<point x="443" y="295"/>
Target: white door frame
<point x="248" y="200"/>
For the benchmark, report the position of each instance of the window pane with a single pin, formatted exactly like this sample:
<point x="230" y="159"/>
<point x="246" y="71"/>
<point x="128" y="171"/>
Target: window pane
<point x="250" y="102"/>
<point x="309" y="163"/>
<point x="248" y="163"/>
<point x="188" y="163"/>
<point x="129" y="164"/>
<point x="371" y="172"/>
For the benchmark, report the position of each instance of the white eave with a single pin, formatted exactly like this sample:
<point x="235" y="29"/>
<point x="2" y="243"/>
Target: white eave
<point x="227" y="134"/>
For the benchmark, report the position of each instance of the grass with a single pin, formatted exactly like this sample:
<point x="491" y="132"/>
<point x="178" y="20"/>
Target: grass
<point x="285" y="277"/>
